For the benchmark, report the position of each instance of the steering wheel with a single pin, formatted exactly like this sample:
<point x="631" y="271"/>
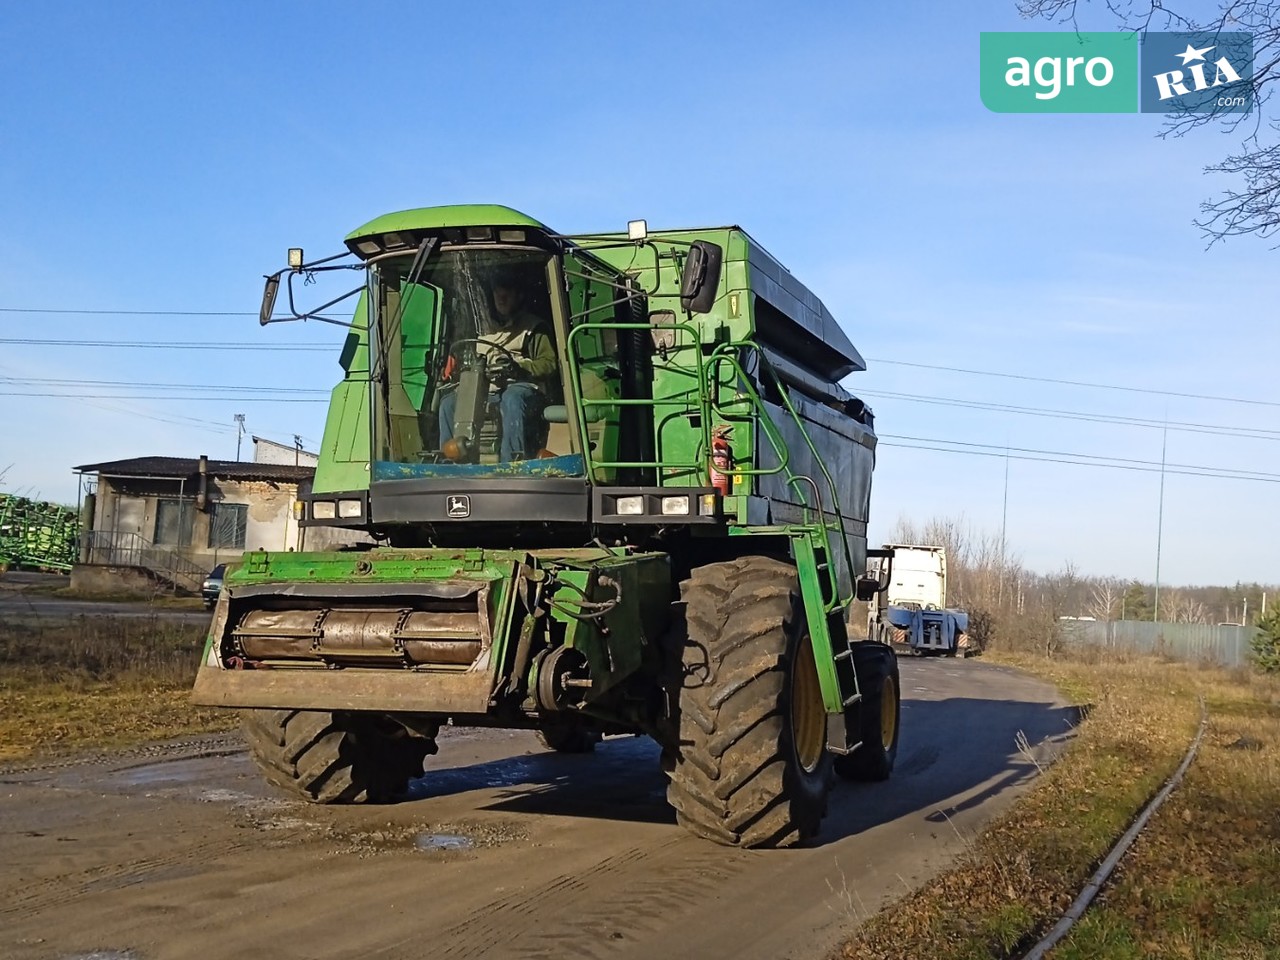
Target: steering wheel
<point x="511" y="357"/>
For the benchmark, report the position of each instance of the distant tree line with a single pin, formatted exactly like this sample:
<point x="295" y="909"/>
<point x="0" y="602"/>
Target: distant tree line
<point x="1018" y="608"/>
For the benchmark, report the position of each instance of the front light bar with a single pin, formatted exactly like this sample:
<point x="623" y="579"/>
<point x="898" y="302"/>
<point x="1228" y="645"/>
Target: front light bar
<point x="333" y="509"/>
<point x="666" y="505"/>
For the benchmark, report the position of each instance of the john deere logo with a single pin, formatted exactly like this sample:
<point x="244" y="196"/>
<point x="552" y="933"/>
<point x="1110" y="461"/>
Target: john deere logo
<point x="1070" y="72"/>
<point x="458" y="506"/>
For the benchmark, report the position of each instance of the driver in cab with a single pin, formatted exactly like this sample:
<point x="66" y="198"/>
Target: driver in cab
<point x="520" y="360"/>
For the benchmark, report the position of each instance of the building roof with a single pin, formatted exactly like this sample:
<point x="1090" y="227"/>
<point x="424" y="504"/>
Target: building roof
<point x="182" y="467"/>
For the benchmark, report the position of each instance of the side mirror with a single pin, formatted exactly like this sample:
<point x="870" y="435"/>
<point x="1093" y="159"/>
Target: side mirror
<point x="269" y="299"/>
<point x="701" y="276"/>
<point x="866" y="588"/>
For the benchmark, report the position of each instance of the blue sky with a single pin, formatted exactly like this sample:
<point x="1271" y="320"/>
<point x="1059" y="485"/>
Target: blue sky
<point x="163" y="156"/>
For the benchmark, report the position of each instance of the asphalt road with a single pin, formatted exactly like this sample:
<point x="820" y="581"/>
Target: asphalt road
<point x="180" y="851"/>
<point x="22" y="598"/>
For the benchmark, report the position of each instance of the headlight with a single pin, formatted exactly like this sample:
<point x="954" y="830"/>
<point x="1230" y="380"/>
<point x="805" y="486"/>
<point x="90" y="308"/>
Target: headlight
<point x="675" y="506"/>
<point x="348" y="508"/>
<point x="323" y="510"/>
<point x="630" y="506"/>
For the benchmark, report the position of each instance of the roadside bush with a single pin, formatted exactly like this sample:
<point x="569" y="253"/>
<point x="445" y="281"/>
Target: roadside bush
<point x="1266" y="645"/>
<point x="982" y="624"/>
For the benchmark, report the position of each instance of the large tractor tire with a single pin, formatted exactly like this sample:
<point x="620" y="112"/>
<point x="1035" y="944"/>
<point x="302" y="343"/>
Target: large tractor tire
<point x="334" y="757"/>
<point x="569" y="737"/>
<point x="877" y="714"/>
<point x="751" y="767"/>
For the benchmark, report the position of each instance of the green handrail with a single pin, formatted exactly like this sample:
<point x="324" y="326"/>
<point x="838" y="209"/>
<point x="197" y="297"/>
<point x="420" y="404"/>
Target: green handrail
<point x="721" y="354"/>
<point x="575" y="383"/>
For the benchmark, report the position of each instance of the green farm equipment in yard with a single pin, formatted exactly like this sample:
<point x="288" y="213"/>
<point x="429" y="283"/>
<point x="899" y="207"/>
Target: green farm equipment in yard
<point x="37" y="534"/>
<point x="613" y="487"/>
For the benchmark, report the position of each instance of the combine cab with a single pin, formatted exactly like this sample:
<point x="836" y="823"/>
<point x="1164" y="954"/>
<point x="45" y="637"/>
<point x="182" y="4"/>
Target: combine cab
<point x="614" y="487"/>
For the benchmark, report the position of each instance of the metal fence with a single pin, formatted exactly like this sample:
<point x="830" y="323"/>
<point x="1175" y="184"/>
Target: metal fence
<point x="132" y="550"/>
<point x="1227" y="644"/>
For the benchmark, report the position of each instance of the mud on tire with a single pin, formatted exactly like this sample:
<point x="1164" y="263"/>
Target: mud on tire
<point x="333" y="757"/>
<point x="736" y="775"/>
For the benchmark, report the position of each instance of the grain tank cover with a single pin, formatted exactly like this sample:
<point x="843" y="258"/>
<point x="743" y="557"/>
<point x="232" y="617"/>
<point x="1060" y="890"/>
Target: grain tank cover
<point x="794" y="320"/>
<point x="784" y="315"/>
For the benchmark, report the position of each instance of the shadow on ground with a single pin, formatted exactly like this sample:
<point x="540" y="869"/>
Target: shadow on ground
<point x="620" y="781"/>
<point x="956" y="754"/>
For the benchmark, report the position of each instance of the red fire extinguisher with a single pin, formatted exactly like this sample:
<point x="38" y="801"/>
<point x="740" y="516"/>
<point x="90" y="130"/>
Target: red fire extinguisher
<point x="721" y="460"/>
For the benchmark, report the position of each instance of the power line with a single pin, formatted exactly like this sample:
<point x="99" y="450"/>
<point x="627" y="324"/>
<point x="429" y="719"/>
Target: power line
<point x="159" y="396"/>
<point x="1077" y="463"/>
<point x="58" y="382"/>
<point x="1065" y="453"/>
<point x="1076" y="383"/>
<point x="129" y="313"/>
<point x="172" y="344"/>
<point x="1212" y="429"/>
<point x="147" y="313"/>
<point x="1082" y="460"/>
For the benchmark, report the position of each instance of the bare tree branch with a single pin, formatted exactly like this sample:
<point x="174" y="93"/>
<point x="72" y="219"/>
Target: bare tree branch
<point x="1251" y="204"/>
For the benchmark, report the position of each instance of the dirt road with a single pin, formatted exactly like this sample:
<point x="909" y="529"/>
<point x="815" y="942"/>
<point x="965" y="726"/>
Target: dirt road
<point x="180" y="851"/>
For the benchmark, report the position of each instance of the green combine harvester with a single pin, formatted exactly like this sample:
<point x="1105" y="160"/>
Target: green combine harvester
<point x="614" y="487"/>
<point x="36" y="534"/>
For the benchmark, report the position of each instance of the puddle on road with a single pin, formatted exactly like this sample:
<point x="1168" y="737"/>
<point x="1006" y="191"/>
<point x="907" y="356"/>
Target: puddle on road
<point x="219" y="795"/>
<point x="443" y="841"/>
<point x="440" y="839"/>
<point x="153" y="773"/>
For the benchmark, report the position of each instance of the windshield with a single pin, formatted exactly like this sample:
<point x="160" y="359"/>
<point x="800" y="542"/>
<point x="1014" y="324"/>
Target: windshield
<point x="467" y="375"/>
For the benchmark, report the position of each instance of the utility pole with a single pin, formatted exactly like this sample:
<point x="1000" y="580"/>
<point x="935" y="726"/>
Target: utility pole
<point x="1004" y="521"/>
<point x="297" y="448"/>
<point x="239" y="419"/>
<point x="1164" y="442"/>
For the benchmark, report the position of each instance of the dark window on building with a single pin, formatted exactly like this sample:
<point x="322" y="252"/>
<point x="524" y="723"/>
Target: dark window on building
<point x="173" y="522"/>
<point x="227" y="525"/>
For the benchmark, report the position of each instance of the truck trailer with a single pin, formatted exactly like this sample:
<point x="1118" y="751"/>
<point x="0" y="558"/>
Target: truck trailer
<point x="613" y="486"/>
<point x="911" y="608"/>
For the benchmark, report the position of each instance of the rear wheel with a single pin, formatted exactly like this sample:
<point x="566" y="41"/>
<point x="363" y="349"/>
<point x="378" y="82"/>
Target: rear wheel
<point x="877" y="714"/>
<point x="569" y="737"/>
<point x="334" y="757"/>
<point x="751" y="766"/>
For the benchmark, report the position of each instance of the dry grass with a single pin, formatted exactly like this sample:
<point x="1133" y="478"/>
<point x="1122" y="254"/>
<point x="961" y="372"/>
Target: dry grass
<point x="1202" y="881"/>
<point x="98" y="682"/>
<point x="1197" y="881"/>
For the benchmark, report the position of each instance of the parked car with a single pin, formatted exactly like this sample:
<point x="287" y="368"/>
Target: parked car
<point x="212" y="586"/>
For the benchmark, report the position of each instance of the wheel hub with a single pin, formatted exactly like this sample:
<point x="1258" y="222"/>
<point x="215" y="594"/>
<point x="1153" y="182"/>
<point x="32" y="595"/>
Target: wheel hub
<point x="808" y="714"/>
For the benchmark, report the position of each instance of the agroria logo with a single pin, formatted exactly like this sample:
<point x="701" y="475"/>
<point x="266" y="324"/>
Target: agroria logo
<point x="1197" y="72"/>
<point x="1070" y="72"/>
